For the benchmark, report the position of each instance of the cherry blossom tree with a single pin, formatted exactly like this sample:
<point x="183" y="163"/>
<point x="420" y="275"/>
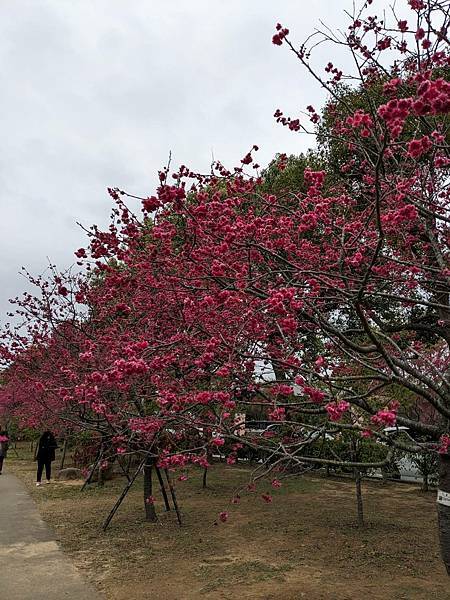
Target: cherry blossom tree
<point x="321" y="307"/>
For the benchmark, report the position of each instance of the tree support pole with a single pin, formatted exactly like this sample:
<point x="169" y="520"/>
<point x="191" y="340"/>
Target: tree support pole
<point x="162" y="487"/>
<point x="63" y="457"/>
<point x="120" y="499"/>
<point x="92" y="471"/>
<point x="125" y="471"/>
<point x="174" y="498"/>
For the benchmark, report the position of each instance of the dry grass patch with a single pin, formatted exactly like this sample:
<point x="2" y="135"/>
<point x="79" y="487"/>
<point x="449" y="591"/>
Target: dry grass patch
<point x="303" y="545"/>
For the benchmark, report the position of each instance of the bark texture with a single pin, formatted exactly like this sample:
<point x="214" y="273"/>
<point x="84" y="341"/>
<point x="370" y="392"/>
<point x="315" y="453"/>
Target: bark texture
<point x="150" y="512"/>
<point x="359" y="499"/>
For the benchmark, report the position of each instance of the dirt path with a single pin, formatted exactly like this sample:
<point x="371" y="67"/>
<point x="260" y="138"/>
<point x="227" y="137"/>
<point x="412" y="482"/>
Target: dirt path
<point x="32" y="565"/>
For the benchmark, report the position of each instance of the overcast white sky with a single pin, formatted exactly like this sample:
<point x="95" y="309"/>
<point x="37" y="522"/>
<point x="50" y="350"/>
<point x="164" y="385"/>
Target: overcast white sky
<point x="95" y="93"/>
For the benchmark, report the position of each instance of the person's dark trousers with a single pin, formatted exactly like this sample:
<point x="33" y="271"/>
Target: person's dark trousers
<point x="48" y="469"/>
<point x="1" y="463"/>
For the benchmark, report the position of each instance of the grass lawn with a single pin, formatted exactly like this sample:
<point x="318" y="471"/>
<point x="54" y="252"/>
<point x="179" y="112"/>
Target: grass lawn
<point x="303" y="545"/>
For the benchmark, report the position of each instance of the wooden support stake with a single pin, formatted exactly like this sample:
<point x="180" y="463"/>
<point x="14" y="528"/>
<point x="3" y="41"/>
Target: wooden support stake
<point x="174" y="498"/>
<point x="121" y="498"/>
<point x="162" y="487"/>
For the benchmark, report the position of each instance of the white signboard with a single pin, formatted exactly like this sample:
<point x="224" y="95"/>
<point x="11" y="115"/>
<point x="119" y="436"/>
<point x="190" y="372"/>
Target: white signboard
<point x="443" y="498"/>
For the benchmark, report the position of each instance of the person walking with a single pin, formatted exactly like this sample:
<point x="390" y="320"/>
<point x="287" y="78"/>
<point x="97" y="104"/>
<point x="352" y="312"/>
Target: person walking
<point x="45" y="455"/>
<point x="4" y="441"/>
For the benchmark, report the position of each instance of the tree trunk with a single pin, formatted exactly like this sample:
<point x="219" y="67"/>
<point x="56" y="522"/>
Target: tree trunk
<point x="150" y="512"/>
<point x="125" y="471"/>
<point x="205" y="475"/>
<point x="128" y="467"/>
<point x="92" y="471"/>
<point x="63" y="457"/>
<point x="280" y="374"/>
<point x="101" y="479"/>
<point x="359" y="499"/>
<point x="443" y="508"/>
<point x="14" y="449"/>
<point x="425" y="480"/>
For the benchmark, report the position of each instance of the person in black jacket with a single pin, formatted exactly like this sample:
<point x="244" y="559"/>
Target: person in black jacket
<point x="45" y="455"/>
<point x="3" y="447"/>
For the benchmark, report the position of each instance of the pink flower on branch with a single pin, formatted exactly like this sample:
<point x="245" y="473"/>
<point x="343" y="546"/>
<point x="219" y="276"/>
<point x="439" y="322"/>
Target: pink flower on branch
<point x="337" y="409"/>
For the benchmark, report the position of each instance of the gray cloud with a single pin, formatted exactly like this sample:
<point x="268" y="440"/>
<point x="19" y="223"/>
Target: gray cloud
<point x="96" y="94"/>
